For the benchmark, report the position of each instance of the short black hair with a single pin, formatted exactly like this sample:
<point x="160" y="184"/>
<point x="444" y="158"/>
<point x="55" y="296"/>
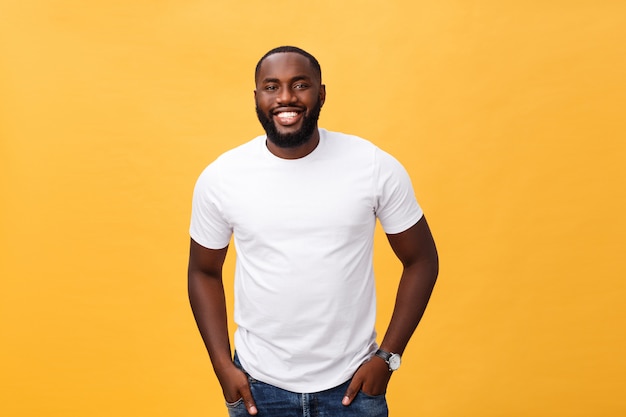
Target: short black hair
<point x="294" y="49"/>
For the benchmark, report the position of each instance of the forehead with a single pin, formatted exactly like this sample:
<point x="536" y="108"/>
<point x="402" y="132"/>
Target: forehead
<point x="285" y="66"/>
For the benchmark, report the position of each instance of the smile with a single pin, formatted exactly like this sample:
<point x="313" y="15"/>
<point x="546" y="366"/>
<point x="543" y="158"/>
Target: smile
<point x="287" y="114"/>
<point x="287" y="118"/>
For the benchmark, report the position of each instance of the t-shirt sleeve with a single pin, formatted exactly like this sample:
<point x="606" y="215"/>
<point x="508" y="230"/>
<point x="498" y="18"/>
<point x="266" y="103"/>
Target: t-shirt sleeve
<point x="209" y="227"/>
<point x="397" y="208"/>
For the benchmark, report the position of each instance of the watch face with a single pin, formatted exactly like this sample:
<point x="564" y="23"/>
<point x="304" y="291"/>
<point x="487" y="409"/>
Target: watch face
<point x="394" y="362"/>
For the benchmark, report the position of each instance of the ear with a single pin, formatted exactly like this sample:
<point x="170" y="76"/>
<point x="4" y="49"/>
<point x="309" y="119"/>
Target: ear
<point x="322" y="94"/>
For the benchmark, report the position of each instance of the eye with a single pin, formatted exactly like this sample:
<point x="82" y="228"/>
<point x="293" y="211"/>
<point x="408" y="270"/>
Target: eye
<point x="301" y="86"/>
<point x="271" y="87"/>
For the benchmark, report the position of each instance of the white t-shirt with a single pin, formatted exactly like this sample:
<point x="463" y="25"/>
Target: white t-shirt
<point x="303" y="229"/>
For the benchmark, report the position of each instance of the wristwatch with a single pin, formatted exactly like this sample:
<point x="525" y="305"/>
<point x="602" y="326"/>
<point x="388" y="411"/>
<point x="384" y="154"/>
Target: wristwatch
<point x="392" y="359"/>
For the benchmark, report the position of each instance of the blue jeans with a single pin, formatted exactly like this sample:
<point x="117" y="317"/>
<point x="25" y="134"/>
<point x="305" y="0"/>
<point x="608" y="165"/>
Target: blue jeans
<point x="272" y="401"/>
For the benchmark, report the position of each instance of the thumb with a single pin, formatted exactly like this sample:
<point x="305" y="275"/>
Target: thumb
<point x="351" y="392"/>
<point x="248" y="400"/>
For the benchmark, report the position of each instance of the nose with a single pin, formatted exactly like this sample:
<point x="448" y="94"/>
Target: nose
<point x="286" y="95"/>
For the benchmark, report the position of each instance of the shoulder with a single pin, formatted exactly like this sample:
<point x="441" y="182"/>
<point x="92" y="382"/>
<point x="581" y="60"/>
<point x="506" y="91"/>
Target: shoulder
<point x="356" y="146"/>
<point x="339" y="139"/>
<point x="349" y="147"/>
<point x="250" y="149"/>
<point x="235" y="157"/>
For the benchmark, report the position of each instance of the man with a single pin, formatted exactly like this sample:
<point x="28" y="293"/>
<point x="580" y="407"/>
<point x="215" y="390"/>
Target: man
<point x="302" y="203"/>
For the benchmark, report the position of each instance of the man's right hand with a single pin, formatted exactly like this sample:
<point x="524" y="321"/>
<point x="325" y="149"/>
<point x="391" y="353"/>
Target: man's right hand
<point x="235" y="386"/>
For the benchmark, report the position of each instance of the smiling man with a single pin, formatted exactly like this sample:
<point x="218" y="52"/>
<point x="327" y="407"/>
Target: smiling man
<point x="289" y="115"/>
<point x="302" y="203"/>
<point x="289" y="108"/>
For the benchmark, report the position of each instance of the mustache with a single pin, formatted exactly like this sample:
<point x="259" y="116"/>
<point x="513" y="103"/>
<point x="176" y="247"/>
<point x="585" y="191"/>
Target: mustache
<point x="280" y="109"/>
<point x="294" y="139"/>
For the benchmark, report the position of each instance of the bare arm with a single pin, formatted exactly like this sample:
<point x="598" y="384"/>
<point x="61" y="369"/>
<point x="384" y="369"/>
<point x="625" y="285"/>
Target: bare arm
<point x="415" y="248"/>
<point x="208" y="303"/>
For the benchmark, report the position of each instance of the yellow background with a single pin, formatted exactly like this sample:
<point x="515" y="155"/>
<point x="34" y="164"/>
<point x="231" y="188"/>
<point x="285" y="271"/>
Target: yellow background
<point x="509" y="116"/>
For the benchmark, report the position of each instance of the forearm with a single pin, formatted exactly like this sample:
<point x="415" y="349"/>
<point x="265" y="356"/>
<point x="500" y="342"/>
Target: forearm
<point x="416" y="250"/>
<point x="208" y="303"/>
<point x="416" y="285"/>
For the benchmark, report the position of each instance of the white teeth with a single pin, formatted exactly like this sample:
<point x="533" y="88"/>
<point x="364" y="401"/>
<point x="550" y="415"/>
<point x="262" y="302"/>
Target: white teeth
<point x="287" y="114"/>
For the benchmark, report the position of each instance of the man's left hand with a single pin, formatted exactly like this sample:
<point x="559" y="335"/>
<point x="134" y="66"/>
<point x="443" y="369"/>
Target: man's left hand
<point x="372" y="378"/>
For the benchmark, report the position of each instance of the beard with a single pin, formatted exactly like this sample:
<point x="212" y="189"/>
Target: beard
<point x="295" y="139"/>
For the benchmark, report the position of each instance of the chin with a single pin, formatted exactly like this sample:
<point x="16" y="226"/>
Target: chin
<point x="289" y="140"/>
<point x="293" y="139"/>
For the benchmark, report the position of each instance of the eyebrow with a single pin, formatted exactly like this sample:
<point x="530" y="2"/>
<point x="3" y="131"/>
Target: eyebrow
<point x="293" y="79"/>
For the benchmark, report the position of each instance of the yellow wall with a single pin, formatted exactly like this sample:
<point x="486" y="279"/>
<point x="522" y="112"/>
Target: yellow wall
<point x="509" y="116"/>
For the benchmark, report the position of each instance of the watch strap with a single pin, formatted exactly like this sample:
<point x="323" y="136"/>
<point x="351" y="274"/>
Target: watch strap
<point x="391" y="359"/>
<point x="383" y="355"/>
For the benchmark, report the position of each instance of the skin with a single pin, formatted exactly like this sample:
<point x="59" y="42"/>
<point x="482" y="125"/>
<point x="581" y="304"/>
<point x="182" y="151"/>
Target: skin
<point x="287" y="82"/>
<point x="415" y="248"/>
